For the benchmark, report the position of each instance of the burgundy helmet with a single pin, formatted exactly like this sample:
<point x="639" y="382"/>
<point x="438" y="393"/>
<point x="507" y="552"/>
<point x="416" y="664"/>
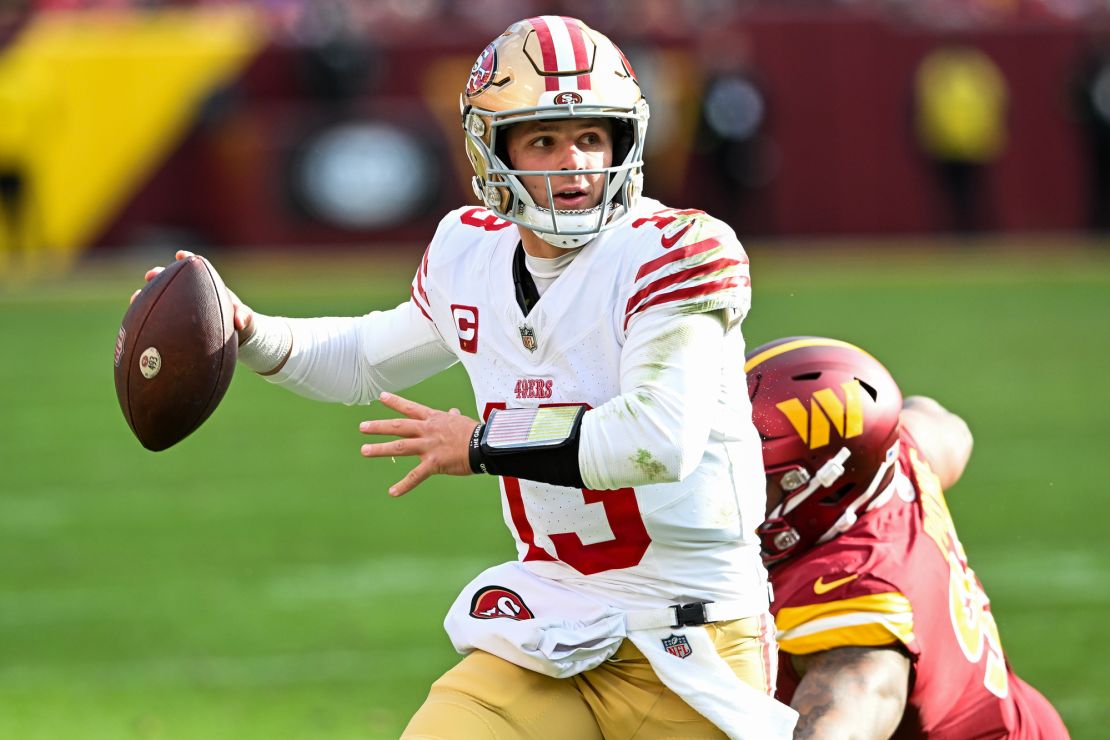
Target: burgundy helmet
<point x="828" y="414"/>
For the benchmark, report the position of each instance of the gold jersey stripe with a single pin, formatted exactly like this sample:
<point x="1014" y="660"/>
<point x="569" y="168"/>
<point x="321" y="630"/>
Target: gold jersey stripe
<point x="872" y="634"/>
<point x="875" y="619"/>
<point x="891" y="603"/>
<point x="796" y="344"/>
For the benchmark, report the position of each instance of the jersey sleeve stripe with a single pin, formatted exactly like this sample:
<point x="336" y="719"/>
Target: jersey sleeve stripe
<point x="890" y="603"/>
<point x="420" y="275"/>
<point x="412" y="292"/>
<point x="868" y="634"/>
<point x="716" y="267"/>
<point x="693" y="291"/>
<point x="687" y="251"/>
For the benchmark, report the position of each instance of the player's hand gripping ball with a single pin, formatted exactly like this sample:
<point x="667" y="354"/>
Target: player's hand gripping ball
<point x="175" y="353"/>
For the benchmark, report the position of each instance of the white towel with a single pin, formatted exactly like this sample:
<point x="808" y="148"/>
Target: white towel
<point x="707" y="683"/>
<point x="533" y="622"/>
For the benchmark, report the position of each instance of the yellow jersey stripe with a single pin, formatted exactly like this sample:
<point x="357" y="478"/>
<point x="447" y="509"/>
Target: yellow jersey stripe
<point x="796" y="344"/>
<point x="892" y="603"/>
<point x="872" y="634"/>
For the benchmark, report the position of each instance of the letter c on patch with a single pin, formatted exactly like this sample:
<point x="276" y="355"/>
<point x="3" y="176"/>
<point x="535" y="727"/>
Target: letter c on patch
<point x="466" y="326"/>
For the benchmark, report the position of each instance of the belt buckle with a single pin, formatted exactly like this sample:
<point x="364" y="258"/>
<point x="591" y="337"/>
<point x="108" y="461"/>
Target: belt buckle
<point x="689" y="615"/>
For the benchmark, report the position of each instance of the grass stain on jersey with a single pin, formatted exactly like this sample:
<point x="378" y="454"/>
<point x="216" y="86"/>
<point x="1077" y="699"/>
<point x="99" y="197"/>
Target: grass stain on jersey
<point x="648" y="465"/>
<point x="663" y="348"/>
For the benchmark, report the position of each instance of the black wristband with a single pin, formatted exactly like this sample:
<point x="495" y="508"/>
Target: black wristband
<point x="475" y="452"/>
<point x="553" y="460"/>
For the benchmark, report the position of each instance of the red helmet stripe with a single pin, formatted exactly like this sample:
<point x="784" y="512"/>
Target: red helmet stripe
<point x="581" y="60"/>
<point x="547" y="49"/>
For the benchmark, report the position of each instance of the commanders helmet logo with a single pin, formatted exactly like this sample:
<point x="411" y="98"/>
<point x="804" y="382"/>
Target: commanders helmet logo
<point x="826" y="412"/>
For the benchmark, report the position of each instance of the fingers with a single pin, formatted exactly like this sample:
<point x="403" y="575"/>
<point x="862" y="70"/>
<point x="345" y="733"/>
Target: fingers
<point x="411" y="409"/>
<point x="395" y="448"/>
<point x="156" y="271"/>
<point x="401" y="447"/>
<point x="241" y="317"/>
<point x="396" y="427"/>
<point x="415" y="477"/>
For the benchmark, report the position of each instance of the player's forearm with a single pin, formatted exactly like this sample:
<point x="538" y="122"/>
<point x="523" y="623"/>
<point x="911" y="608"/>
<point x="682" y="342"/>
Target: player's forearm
<point x="352" y="360"/>
<point x="852" y="694"/>
<point x="656" y="430"/>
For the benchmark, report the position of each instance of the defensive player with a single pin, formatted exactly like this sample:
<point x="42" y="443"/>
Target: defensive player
<point x="885" y="626"/>
<point x="600" y="331"/>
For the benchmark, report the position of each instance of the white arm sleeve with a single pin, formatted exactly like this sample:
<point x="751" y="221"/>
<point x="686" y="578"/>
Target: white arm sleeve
<point x="353" y="359"/>
<point x="657" y="429"/>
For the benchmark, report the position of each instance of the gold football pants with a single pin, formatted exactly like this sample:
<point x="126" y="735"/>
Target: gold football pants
<point x="484" y="696"/>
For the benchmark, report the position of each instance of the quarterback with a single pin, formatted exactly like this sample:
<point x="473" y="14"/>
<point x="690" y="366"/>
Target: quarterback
<point x="885" y="628"/>
<point x="600" y="332"/>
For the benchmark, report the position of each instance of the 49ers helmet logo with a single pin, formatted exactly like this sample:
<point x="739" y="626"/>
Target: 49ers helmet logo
<point x="497" y="602"/>
<point x="481" y="74"/>
<point x="568" y="98"/>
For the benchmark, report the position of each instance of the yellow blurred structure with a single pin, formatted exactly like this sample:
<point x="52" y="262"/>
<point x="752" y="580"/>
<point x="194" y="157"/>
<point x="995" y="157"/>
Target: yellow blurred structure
<point x="962" y="105"/>
<point x="90" y="104"/>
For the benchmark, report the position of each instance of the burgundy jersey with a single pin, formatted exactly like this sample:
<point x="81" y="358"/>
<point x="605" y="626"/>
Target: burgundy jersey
<point x="900" y="576"/>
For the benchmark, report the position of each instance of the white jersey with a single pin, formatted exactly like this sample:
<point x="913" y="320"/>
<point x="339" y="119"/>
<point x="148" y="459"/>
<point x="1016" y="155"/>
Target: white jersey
<point x="655" y="544"/>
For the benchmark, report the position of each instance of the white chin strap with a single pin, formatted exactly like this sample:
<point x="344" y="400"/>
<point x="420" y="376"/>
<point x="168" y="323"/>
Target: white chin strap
<point x="588" y="220"/>
<point x="870" y="498"/>
<point x="829" y="473"/>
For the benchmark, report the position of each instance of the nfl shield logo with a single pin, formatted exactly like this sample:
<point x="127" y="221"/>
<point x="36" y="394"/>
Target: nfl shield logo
<point x="528" y="338"/>
<point x="677" y="645"/>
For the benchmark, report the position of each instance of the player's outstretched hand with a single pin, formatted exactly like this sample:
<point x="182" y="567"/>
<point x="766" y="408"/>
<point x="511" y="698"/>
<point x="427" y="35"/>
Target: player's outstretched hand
<point x="242" y="315"/>
<point x="441" y="439"/>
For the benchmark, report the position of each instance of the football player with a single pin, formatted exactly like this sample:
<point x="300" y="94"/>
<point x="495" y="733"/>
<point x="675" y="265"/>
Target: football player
<point x="885" y="627"/>
<point x="600" y="331"/>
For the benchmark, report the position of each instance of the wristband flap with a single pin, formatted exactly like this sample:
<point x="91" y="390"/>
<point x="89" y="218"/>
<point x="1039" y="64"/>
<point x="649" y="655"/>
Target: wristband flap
<point x="530" y="429"/>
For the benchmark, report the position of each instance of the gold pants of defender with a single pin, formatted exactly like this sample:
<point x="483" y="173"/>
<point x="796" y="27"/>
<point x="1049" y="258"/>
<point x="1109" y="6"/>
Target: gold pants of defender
<point x="484" y="696"/>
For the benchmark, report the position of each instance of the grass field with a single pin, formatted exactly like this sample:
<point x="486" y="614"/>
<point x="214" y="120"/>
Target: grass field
<point x="256" y="582"/>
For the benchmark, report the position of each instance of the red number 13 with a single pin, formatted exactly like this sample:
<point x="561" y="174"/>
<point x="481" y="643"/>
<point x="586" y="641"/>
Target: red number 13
<point x="630" y="536"/>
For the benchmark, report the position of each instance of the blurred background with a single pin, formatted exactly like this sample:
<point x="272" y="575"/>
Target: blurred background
<point x="927" y="178"/>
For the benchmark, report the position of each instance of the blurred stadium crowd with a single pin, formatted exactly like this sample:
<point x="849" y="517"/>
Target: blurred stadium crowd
<point x="287" y="17"/>
<point x="292" y="122"/>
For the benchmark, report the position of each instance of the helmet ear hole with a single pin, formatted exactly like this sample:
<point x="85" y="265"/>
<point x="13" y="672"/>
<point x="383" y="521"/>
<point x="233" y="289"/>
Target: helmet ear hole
<point x="871" y="391"/>
<point x="838" y="495"/>
<point x="816" y="375"/>
<point x="754" y="380"/>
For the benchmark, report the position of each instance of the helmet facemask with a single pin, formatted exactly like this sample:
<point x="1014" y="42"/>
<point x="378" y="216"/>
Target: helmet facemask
<point x="498" y="184"/>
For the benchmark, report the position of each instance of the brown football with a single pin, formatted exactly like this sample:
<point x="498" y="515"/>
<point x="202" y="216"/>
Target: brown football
<point x="175" y="353"/>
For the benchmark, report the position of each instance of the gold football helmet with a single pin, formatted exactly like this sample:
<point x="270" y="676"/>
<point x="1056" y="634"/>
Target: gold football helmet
<point x="553" y="67"/>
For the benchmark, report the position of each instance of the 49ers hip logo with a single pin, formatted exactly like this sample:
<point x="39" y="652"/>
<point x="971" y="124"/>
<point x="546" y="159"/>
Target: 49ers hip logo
<point x="497" y="602"/>
<point x="826" y="411"/>
<point x="466" y="326"/>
